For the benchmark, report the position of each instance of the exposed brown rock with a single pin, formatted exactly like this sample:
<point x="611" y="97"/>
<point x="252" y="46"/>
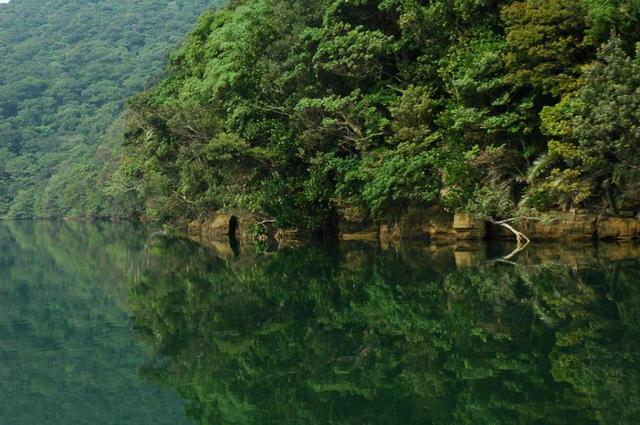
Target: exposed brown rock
<point x="573" y="227"/>
<point x="421" y="224"/>
<point x="467" y="227"/>
<point x="217" y="226"/>
<point x="221" y="225"/>
<point x="414" y="224"/>
<point x="360" y="230"/>
<point x="371" y="234"/>
<point x="563" y="227"/>
<point x="389" y="232"/>
<point x="582" y="227"/>
<point x="194" y="229"/>
<point x="441" y="228"/>
<point x="619" y="228"/>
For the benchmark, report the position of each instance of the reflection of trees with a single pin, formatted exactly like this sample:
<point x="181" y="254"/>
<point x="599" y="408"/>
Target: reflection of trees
<point x="353" y="336"/>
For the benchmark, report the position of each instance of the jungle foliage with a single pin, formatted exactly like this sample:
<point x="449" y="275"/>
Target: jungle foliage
<point x="66" y="68"/>
<point x="310" y="111"/>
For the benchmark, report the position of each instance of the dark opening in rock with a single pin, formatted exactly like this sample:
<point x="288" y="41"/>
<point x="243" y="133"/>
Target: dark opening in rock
<point x="233" y="226"/>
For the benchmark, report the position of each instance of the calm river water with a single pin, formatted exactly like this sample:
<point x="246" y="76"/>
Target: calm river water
<point x="114" y="324"/>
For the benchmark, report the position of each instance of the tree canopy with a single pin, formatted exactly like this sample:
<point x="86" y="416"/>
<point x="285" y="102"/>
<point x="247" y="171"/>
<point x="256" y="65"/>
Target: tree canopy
<point x="309" y="112"/>
<point x="312" y="111"/>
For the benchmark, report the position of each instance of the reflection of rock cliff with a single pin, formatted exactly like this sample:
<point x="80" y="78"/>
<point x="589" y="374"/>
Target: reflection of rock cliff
<point x="355" y="334"/>
<point x="463" y="253"/>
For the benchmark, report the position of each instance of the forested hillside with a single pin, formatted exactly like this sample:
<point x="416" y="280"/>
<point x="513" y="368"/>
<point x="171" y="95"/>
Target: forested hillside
<point x="66" y="67"/>
<point x="310" y="111"/>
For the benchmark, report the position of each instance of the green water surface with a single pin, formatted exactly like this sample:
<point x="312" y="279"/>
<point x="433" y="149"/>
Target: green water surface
<point x="117" y="324"/>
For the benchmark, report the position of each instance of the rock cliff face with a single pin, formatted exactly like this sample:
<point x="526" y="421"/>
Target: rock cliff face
<point x="435" y="226"/>
<point x="351" y="230"/>
<point x="217" y="226"/>
<point x="619" y="228"/>
<point x="570" y="227"/>
<point x="440" y="227"/>
<point x="430" y="224"/>
<point x="582" y="226"/>
<point x="467" y="227"/>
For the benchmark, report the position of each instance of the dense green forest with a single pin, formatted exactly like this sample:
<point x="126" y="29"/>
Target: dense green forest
<point x="309" y="111"/>
<point x="66" y="68"/>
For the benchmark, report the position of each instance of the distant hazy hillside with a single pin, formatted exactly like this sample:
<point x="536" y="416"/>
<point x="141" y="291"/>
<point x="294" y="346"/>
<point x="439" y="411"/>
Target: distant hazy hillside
<point x="66" y="67"/>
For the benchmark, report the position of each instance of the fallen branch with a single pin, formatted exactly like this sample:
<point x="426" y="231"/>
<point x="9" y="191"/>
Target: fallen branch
<point x="521" y="238"/>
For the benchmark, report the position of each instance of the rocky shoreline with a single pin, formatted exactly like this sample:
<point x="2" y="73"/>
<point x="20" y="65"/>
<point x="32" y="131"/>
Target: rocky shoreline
<point x="438" y="227"/>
